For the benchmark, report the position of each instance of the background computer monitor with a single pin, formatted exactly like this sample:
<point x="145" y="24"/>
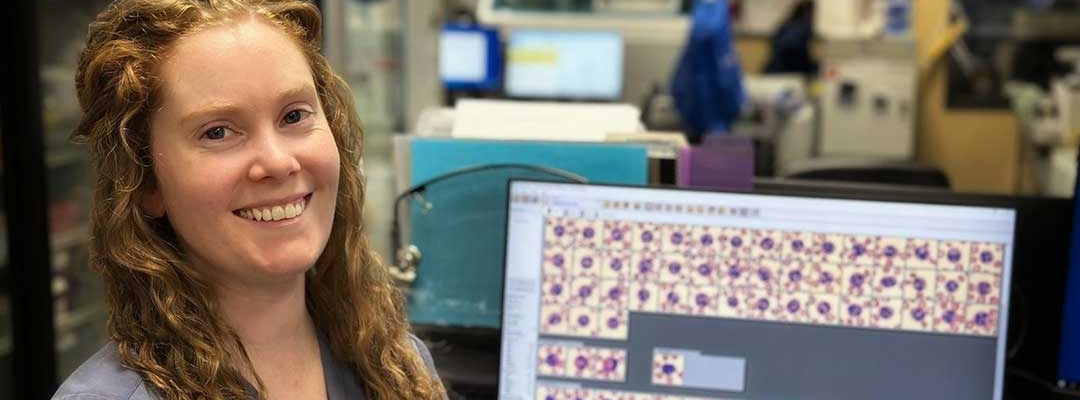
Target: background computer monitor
<point x="470" y="57"/>
<point x="881" y="336"/>
<point x="564" y="64"/>
<point x="1069" y="363"/>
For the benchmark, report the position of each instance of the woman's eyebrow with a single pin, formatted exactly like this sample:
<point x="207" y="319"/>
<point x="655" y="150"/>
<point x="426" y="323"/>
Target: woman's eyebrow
<point x="295" y="91"/>
<point x="213" y="109"/>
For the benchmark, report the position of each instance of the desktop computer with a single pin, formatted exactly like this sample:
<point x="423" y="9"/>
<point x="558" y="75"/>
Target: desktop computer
<point x="564" y="65"/>
<point x="628" y="292"/>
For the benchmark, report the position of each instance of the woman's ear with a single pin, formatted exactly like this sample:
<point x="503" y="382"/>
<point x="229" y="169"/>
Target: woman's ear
<point x="151" y="202"/>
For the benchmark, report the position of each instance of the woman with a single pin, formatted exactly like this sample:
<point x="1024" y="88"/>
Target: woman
<point x="227" y="213"/>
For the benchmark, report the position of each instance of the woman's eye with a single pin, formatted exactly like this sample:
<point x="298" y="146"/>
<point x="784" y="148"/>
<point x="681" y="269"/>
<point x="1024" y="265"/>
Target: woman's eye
<point x="295" y="116"/>
<point x="216" y="133"/>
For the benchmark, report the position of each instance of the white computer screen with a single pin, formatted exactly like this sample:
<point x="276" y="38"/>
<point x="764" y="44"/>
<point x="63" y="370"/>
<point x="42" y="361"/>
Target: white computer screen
<point x="629" y="293"/>
<point x="564" y="64"/>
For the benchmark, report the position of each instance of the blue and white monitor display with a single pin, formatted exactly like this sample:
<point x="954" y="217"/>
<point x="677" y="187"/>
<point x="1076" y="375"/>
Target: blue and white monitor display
<point x="552" y="64"/>
<point x="629" y="292"/>
<point x="1069" y="364"/>
<point x="470" y="57"/>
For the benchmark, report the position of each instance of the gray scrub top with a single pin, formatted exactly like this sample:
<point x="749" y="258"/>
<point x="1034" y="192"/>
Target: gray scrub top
<point x="103" y="377"/>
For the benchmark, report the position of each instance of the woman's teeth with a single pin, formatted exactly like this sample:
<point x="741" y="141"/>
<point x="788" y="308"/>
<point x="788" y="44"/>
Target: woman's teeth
<point x="275" y="213"/>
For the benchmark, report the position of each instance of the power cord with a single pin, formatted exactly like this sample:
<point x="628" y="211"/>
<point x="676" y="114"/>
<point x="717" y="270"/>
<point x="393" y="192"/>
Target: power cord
<point x="407" y="258"/>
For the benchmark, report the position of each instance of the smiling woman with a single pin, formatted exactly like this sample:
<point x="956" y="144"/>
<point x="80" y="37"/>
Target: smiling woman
<point x="227" y="213"/>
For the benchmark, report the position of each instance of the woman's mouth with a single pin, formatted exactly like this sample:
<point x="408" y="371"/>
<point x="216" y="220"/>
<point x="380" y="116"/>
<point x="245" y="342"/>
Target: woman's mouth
<point x="275" y="212"/>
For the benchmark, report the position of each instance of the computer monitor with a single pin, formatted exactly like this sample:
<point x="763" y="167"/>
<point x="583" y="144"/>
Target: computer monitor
<point x="470" y="57"/>
<point x="564" y="64"/>
<point x="1069" y="362"/>
<point x="614" y="291"/>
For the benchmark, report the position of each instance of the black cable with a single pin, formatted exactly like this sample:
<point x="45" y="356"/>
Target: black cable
<point x="422" y="187"/>
<point x="1045" y="384"/>
<point x="1021" y="302"/>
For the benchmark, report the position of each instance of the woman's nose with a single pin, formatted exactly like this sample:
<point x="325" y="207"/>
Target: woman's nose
<point x="274" y="159"/>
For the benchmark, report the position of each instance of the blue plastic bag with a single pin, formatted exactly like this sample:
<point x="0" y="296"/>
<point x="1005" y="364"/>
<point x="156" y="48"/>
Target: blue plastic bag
<point x="707" y="86"/>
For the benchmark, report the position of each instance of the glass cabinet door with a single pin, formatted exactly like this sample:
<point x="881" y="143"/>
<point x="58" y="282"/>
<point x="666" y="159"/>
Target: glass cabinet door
<point x="79" y="306"/>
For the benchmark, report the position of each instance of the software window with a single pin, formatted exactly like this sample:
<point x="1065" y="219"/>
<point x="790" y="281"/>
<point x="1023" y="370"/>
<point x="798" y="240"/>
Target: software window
<point x="628" y="293"/>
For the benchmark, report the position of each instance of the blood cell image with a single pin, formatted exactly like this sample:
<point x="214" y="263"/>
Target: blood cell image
<point x="987" y="257"/>
<point x="892" y="252"/>
<point x="954" y="255"/>
<point x="668" y="369"/>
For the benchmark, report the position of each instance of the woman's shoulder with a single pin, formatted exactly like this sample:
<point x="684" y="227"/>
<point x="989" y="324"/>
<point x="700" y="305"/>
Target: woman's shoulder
<point x="102" y="377"/>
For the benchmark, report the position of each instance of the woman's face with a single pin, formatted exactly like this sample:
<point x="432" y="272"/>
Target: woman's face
<point x="247" y="168"/>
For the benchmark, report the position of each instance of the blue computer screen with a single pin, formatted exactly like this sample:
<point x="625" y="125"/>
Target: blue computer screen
<point x="470" y="57"/>
<point x="1069" y="366"/>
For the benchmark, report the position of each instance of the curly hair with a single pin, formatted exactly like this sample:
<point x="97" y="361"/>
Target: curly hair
<point x="162" y="314"/>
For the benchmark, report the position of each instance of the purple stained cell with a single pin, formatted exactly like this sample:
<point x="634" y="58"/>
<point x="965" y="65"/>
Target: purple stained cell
<point x="736" y="241"/>
<point x="646" y="236"/>
<point x="763" y="304"/>
<point x="588" y="233"/>
<point x="793" y="306"/>
<point x="643" y="294"/>
<point x="857" y="280"/>
<point x="825" y="278"/>
<point x="674" y="267"/>
<point x="668" y="369"/>
<point x="614" y="293"/>
<point x="984" y="288"/>
<point x="952" y="286"/>
<point x="581" y="362"/>
<point x="585" y="291"/>
<point x="797" y="245"/>
<point x="824" y="308"/>
<point x="706" y="240"/>
<point x="583" y="320"/>
<point x="645" y="266"/>
<point x="734" y="271"/>
<point x="767" y="243"/>
<point x="949" y="317"/>
<point x="886" y="312"/>
<point x="616" y="264"/>
<point x="556" y="289"/>
<point x="982" y="319"/>
<point x="704" y="269"/>
<point x="610" y="364"/>
<point x="890" y="251"/>
<point x="829" y="247"/>
<point x="859" y="249"/>
<point x="702" y="300"/>
<point x="554" y="319"/>
<point x="920" y="284"/>
<point x="613" y="323"/>
<point x="552" y="360"/>
<point x="795" y="276"/>
<point x="918" y="314"/>
<point x="549" y="397"/>
<point x="586" y="262"/>
<point x="764" y="275"/>
<point x="673" y="298"/>
<point x="616" y="234"/>
<point x="560" y="230"/>
<point x="676" y="238"/>
<point x="954" y="255"/>
<point x="922" y="253"/>
<point x="854" y="310"/>
<point x="888" y="281"/>
<point x="558" y="260"/>
<point x="732" y="301"/>
<point x="986" y="257"/>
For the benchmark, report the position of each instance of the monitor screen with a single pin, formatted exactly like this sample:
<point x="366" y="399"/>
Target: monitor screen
<point x="1069" y="364"/>
<point x="552" y="64"/>
<point x="469" y="57"/>
<point x="618" y="292"/>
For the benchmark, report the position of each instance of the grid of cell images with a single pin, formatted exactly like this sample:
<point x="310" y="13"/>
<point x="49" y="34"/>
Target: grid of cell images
<point x="596" y="271"/>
